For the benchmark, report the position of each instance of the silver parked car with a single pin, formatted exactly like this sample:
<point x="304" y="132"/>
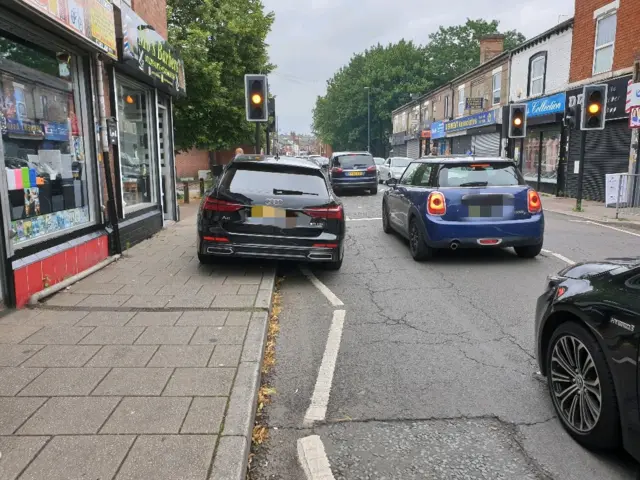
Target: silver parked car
<point x="394" y="167"/>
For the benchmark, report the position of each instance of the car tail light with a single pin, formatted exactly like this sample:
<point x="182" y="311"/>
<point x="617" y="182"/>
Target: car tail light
<point x="535" y="205"/>
<point x="216" y="205"/>
<point x="561" y="291"/>
<point x="216" y="239"/>
<point x="436" y="204"/>
<point x="336" y="170"/>
<point x="329" y="213"/>
<point x="372" y="168"/>
<point x="325" y="245"/>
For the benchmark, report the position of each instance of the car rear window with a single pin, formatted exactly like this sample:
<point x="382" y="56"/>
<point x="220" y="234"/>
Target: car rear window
<point x="353" y="161"/>
<point x="264" y="180"/>
<point x="479" y="174"/>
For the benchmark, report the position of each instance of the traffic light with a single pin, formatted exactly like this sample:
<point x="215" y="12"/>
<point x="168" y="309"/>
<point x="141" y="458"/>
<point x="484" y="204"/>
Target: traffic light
<point x="256" y="97"/>
<point x="572" y="116"/>
<point x="593" y="107"/>
<point x="272" y="114"/>
<point x="517" y="121"/>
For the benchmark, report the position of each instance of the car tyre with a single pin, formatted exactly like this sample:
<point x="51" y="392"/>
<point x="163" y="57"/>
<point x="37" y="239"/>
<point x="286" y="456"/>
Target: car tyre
<point x="374" y="191"/>
<point x="417" y="247"/>
<point x="337" y="264"/>
<point x="386" y="225"/>
<point x="529" y="251"/>
<point x="605" y="434"/>
<point x="206" y="259"/>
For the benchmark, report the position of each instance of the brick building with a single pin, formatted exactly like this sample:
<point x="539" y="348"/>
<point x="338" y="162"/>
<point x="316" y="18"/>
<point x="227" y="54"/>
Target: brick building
<point x="605" y="45"/>
<point x="72" y="192"/>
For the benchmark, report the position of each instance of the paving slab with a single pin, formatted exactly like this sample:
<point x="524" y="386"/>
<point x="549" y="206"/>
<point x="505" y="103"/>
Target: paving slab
<point x="17" y="453"/>
<point x="166" y="336"/>
<point x="148" y="415"/>
<point x="123" y="356"/>
<point x="200" y="382"/>
<point x="182" y="356"/>
<point x="14" y="355"/>
<point x="64" y="381"/>
<point x="58" y="336"/>
<point x="14" y="411"/>
<point x="14" y="379"/>
<point x="134" y="381"/>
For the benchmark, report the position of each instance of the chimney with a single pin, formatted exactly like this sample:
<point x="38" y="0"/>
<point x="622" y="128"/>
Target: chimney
<point x="491" y="46"/>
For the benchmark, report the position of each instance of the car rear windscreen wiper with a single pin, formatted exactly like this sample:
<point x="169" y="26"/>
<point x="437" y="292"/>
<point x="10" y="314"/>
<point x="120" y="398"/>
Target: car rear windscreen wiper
<point x="474" y="184"/>
<point x="277" y="191"/>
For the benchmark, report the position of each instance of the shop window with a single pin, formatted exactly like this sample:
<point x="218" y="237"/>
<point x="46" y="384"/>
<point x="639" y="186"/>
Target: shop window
<point x="537" y="73"/>
<point x="138" y="170"/>
<point x="605" y="40"/>
<point x="46" y="167"/>
<point x="550" y="156"/>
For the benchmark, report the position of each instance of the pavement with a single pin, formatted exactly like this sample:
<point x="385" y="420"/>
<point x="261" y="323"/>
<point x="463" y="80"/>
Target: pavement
<point x="147" y="369"/>
<point x="434" y="375"/>
<point x="594" y="211"/>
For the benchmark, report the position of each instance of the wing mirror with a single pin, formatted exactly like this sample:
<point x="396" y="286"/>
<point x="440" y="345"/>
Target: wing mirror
<point x="392" y="182"/>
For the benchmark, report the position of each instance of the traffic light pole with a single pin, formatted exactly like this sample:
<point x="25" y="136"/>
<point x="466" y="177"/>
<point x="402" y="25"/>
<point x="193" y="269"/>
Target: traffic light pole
<point x="583" y="141"/>
<point x="257" y="138"/>
<point x="268" y="147"/>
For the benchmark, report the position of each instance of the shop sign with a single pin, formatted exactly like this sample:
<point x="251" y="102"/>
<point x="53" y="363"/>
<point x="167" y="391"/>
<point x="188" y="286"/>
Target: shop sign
<point x="90" y="19"/>
<point x="546" y="106"/>
<point x="150" y="52"/>
<point x="56" y="131"/>
<point x="473" y="121"/>
<point x="15" y="127"/>
<point x="437" y="130"/>
<point x="634" y="117"/>
<point x="616" y="98"/>
<point x="425" y="134"/>
<point x="474" y="103"/>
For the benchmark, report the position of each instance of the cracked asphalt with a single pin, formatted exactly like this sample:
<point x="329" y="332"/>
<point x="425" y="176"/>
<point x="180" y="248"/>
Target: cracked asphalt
<point x="435" y="377"/>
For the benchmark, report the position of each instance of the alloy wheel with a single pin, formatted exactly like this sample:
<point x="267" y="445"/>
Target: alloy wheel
<point x="414" y="238"/>
<point x="575" y="384"/>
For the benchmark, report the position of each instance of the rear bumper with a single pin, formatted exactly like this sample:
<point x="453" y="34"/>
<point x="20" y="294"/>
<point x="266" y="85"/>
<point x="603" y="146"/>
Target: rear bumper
<point x="514" y="233"/>
<point x="270" y="251"/>
<point x="371" y="182"/>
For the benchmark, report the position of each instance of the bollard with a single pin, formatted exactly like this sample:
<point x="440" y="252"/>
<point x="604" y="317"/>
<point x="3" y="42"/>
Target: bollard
<point x="201" y="187"/>
<point x="186" y="192"/>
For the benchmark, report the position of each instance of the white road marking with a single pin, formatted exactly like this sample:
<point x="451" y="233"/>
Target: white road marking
<point x="560" y="257"/>
<point x="320" y="399"/>
<point x="362" y="219"/>
<point x="313" y="458"/>
<point x="613" y="228"/>
<point x="335" y="301"/>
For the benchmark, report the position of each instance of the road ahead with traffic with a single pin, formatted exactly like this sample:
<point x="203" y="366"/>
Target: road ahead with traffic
<point x="435" y="375"/>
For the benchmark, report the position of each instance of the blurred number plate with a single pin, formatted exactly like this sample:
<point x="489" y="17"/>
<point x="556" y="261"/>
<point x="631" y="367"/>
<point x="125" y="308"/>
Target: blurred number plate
<point x="356" y="174"/>
<point x="487" y="211"/>
<point x="268" y="212"/>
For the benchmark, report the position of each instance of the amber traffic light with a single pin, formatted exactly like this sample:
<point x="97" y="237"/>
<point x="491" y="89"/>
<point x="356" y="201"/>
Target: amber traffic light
<point x="256" y="93"/>
<point x="517" y="121"/>
<point x="593" y="112"/>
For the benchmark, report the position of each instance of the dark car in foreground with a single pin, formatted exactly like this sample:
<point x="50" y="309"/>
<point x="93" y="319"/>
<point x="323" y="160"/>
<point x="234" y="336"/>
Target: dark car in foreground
<point x="464" y="202"/>
<point x="587" y="324"/>
<point x="278" y="208"/>
<point x="351" y="171"/>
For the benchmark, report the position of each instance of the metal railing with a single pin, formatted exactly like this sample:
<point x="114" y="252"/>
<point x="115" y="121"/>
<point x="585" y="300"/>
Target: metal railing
<point x="628" y="203"/>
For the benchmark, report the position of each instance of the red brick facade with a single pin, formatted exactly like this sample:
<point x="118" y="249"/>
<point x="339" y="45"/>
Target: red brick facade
<point x="188" y="163"/>
<point x="154" y="12"/>
<point x="627" y="44"/>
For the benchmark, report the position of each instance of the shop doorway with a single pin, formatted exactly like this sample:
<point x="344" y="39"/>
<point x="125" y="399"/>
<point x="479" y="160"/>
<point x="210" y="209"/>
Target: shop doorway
<point x="167" y="166"/>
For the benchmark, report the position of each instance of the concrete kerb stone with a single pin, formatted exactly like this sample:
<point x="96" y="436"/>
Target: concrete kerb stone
<point x="609" y="222"/>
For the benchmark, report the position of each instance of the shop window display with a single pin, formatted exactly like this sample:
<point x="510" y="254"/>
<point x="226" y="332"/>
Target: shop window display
<point x="550" y="155"/>
<point x="137" y="170"/>
<point x="44" y="156"/>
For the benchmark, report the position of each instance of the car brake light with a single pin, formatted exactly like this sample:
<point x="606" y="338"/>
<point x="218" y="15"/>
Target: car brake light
<point x="329" y="213"/>
<point x="535" y="205"/>
<point x="561" y="291"/>
<point x="372" y="168"/>
<point x="336" y="170"/>
<point x="436" y="204"/>
<point x="216" y="205"/>
<point x="325" y="245"/>
<point x="216" y="239"/>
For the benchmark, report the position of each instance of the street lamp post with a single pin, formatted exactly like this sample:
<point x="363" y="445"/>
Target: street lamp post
<point x="368" y="119"/>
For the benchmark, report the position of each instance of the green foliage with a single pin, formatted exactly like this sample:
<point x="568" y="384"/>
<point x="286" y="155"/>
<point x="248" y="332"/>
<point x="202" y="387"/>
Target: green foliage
<point x="395" y="72"/>
<point x="220" y="41"/>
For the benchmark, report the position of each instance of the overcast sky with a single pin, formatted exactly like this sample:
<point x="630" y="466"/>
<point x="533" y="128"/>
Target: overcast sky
<point x="311" y="39"/>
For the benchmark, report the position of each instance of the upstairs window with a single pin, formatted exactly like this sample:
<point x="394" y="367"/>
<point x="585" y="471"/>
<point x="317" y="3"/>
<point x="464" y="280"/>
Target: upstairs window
<point x="446" y="106"/>
<point x="497" y="88"/>
<point x="537" y="73"/>
<point x="605" y="40"/>
<point x="461" y="101"/>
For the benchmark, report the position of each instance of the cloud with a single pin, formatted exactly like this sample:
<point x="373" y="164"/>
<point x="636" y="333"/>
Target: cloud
<point x="312" y="39"/>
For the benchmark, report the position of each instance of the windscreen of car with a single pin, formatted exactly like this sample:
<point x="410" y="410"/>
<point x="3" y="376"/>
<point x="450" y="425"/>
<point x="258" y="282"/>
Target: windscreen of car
<point x="480" y="174"/>
<point x="378" y="160"/>
<point x="264" y="180"/>
<point x="353" y="161"/>
<point x="400" y="162"/>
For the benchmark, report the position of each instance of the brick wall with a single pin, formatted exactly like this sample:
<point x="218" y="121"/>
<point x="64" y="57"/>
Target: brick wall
<point x="154" y="12"/>
<point x="188" y="163"/>
<point x="481" y="86"/>
<point x="627" y="44"/>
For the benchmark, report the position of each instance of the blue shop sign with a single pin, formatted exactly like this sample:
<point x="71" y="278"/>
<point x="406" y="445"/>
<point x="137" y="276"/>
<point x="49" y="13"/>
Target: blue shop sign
<point x="546" y="106"/>
<point x="473" y="121"/>
<point x="437" y="130"/>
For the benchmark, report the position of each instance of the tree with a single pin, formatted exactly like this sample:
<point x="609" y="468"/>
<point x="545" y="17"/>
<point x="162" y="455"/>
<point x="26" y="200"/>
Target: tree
<point x="220" y="41"/>
<point x="394" y="73"/>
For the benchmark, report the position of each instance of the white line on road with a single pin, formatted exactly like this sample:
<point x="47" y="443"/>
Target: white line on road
<point x="560" y="257"/>
<point x="313" y="458"/>
<point x="335" y="301"/>
<point x="362" y="219"/>
<point x="614" y="228"/>
<point x="320" y="399"/>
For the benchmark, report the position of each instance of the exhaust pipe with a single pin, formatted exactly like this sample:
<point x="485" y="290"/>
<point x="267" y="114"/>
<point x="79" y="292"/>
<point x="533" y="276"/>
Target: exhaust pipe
<point x="454" y="245"/>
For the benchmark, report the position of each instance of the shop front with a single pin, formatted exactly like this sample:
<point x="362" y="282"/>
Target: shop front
<point x="438" y="140"/>
<point x="543" y="148"/>
<point x="477" y="134"/>
<point x="606" y="151"/>
<point x="52" y="225"/>
<point x="145" y="81"/>
<point x="398" y="145"/>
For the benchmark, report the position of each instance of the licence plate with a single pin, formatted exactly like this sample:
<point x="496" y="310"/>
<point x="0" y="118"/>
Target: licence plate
<point x="489" y="211"/>
<point x="355" y="174"/>
<point x="261" y="211"/>
<point x="277" y="217"/>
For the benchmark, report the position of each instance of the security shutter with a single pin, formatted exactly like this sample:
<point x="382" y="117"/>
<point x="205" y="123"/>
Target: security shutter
<point x="461" y="145"/>
<point x="413" y="148"/>
<point x="399" y="151"/>
<point x="486" y="145"/>
<point x="606" y="151"/>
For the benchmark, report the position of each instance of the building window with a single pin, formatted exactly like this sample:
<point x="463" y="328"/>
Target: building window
<point x="605" y="40"/>
<point x="497" y="88"/>
<point x="49" y="175"/>
<point x="138" y="171"/>
<point x="461" y="101"/>
<point x="537" y="73"/>
<point x="424" y="114"/>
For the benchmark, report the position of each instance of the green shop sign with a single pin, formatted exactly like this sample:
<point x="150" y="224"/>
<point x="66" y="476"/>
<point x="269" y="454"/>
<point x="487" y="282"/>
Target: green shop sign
<point x="143" y="48"/>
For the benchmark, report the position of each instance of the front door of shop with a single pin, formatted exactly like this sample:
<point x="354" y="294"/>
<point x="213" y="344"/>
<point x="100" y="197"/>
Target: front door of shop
<point x="165" y="148"/>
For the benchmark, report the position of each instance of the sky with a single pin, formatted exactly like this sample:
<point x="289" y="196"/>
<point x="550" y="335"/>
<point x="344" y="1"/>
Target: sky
<point x="311" y="39"/>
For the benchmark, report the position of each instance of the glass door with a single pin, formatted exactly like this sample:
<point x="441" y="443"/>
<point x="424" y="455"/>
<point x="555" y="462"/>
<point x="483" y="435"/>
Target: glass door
<point x="165" y="148"/>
